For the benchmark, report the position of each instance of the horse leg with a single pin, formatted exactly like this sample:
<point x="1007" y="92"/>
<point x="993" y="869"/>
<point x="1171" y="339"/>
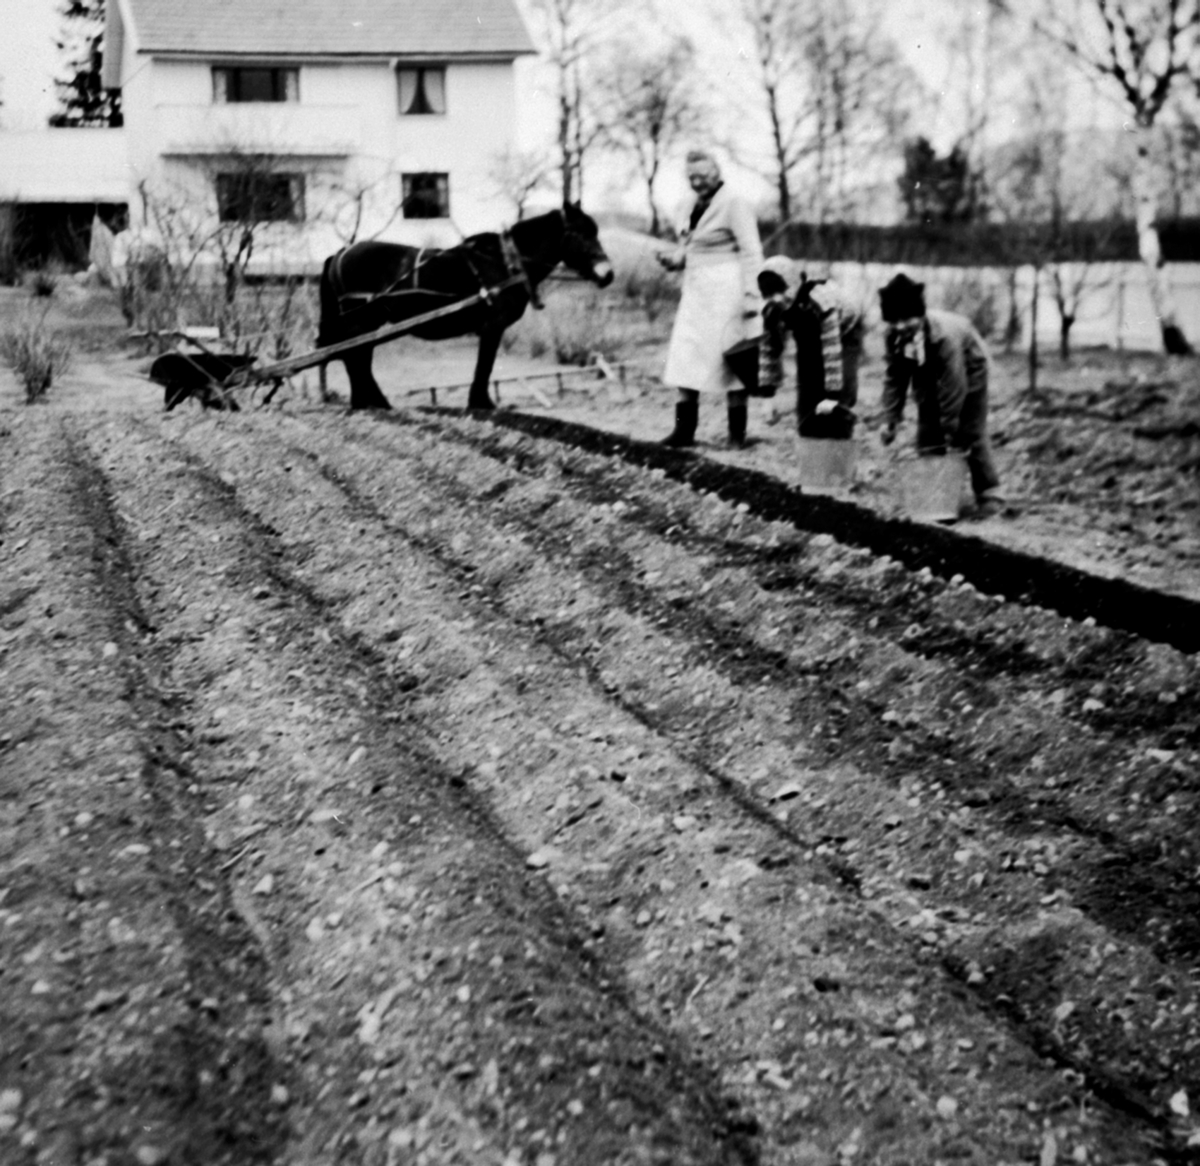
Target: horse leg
<point x="365" y="393"/>
<point x="489" y="345"/>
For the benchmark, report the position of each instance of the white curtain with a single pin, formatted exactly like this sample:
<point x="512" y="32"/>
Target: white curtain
<point x="435" y="89"/>
<point x="422" y="90"/>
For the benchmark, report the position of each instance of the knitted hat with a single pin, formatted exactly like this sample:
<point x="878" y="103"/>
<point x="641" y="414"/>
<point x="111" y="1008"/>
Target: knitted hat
<point x="902" y="299"/>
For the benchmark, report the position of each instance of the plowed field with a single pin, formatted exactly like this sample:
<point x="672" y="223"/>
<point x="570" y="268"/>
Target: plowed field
<point x="408" y="789"/>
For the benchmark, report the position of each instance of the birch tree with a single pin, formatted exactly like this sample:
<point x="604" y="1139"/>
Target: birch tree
<point x="1140" y="50"/>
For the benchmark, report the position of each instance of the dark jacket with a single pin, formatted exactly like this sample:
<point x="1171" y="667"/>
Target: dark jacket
<point x="828" y="332"/>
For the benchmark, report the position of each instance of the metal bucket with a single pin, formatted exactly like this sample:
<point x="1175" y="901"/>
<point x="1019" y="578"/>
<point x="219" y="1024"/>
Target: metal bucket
<point x="936" y="489"/>
<point x="825" y="464"/>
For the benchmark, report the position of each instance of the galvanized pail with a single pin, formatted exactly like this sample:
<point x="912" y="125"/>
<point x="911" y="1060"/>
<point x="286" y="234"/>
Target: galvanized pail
<point x="826" y="464"/>
<point x="936" y="489"/>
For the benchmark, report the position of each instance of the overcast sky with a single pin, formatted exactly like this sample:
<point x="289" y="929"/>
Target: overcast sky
<point x="31" y="26"/>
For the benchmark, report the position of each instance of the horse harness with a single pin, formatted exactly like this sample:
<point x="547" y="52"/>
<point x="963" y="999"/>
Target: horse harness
<point x="514" y="271"/>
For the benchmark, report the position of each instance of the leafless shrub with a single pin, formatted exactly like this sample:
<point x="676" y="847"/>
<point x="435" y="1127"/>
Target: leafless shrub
<point x="580" y="327"/>
<point x="36" y="354"/>
<point x="274" y="319"/>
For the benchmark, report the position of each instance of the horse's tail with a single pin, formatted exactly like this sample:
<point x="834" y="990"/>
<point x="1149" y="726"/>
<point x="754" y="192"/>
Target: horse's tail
<point x="330" y="303"/>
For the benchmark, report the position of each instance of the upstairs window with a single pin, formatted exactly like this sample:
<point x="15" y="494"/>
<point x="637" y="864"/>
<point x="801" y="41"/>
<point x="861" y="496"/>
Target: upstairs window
<point x="422" y="89"/>
<point x="426" y="196"/>
<point x="260" y="198"/>
<point x="254" y="83"/>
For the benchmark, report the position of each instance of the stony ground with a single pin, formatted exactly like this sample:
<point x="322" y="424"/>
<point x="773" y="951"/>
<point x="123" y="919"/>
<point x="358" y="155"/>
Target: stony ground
<point x="1099" y="468"/>
<point x="409" y="790"/>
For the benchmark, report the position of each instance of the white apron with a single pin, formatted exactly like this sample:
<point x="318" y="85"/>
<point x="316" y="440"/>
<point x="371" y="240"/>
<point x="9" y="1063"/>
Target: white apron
<point x="710" y="320"/>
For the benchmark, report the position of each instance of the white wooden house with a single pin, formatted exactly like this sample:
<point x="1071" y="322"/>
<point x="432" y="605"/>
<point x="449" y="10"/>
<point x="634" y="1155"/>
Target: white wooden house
<point x="322" y="121"/>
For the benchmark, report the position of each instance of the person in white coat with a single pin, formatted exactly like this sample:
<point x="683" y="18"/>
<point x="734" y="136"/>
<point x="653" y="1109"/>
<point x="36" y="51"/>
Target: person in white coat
<point x="720" y="256"/>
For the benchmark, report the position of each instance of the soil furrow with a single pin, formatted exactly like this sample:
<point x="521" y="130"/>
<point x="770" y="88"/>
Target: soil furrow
<point x="1159" y="899"/>
<point x="1112" y="1061"/>
<point x="389" y="604"/>
<point x="1158" y="906"/>
<point x="130" y="1001"/>
<point x="1160" y="616"/>
<point x="457" y="1011"/>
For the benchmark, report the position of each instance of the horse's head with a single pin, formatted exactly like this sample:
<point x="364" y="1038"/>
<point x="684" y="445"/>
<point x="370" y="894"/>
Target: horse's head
<point x="582" y="252"/>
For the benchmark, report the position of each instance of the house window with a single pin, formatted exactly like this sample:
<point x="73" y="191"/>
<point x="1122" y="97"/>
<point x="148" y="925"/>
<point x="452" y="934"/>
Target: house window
<point x="255" y="83"/>
<point x="426" y="196"/>
<point x="260" y="198"/>
<point x="423" y="89"/>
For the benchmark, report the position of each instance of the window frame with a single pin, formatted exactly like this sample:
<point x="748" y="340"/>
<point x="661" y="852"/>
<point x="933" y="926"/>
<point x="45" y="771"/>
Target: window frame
<point x="227" y="84"/>
<point x="411" y="198"/>
<point x="232" y="205"/>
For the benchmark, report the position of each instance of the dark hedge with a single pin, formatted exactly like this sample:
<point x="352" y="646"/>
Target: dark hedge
<point x="979" y="244"/>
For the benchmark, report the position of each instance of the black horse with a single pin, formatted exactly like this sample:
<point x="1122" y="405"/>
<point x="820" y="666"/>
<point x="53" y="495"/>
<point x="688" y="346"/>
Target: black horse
<point x="368" y="285"/>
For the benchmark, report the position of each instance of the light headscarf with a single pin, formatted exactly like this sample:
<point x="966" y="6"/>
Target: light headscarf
<point x="703" y="160"/>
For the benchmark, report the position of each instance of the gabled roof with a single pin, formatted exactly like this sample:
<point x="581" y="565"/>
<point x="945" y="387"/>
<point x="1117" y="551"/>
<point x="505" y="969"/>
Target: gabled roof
<point x="431" y="28"/>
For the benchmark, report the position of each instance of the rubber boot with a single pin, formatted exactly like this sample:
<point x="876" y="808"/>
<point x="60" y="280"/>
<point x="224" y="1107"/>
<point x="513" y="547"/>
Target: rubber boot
<point x="687" y="413"/>
<point x="737" y="426"/>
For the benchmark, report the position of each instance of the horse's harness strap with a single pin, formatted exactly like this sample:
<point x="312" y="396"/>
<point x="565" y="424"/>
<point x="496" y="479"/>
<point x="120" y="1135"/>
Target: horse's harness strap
<point x="515" y="273"/>
<point x="364" y="299"/>
<point x="514" y="261"/>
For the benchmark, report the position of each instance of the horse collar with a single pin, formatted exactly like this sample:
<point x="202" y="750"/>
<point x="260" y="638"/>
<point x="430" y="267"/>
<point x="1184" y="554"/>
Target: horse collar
<point x="514" y="260"/>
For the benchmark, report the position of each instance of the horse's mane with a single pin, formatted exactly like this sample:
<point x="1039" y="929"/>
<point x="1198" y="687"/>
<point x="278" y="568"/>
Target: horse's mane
<point x="518" y="225"/>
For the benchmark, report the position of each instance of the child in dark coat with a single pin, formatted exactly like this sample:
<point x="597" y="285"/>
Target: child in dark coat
<point x="828" y="332"/>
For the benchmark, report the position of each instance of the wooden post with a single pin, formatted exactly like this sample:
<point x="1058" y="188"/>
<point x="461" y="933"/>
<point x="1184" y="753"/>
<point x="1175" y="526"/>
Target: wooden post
<point x="1121" y="308"/>
<point x="1033" y="341"/>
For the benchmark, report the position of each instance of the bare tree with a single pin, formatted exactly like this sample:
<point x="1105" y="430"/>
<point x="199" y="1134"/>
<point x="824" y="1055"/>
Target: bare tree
<point x="777" y="30"/>
<point x="1046" y="186"/>
<point x="858" y="93"/>
<point x="1140" y="49"/>
<point x="982" y="52"/>
<point x="571" y="32"/>
<point x="648" y="104"/>
<point x="199" y="231"/>
<point x="834" y="93"/>
<point x="520" y="174"/>
<point x="362" y="200"/>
